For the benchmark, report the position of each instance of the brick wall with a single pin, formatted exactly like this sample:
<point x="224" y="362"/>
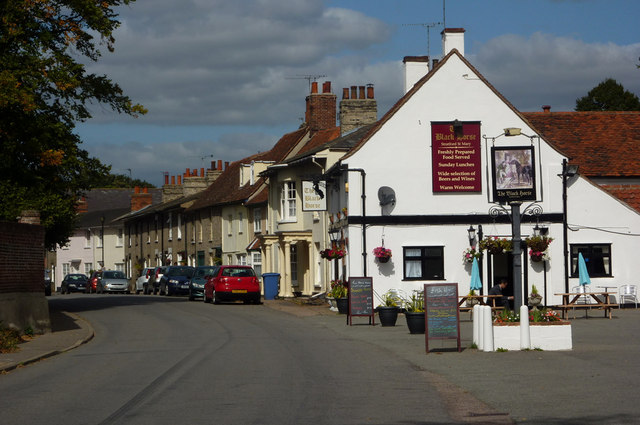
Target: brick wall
<point x="21" y="257"/>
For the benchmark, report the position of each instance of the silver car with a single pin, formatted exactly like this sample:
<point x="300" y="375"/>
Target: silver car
<point x="142" y="281"/>
<point x="112" y="281"/>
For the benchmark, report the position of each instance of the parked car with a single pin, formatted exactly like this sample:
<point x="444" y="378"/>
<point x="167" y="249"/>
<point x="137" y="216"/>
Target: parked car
<point x="92" y="286"/>
<point x="175" y="280"/>
<point x="143" y="279"/>
<point x="153" y="284"/>
<point x="113" y="281"/>
<point x="199" y="278"/>
<point x="232" y="283"/>
<point x="74" y="282"/>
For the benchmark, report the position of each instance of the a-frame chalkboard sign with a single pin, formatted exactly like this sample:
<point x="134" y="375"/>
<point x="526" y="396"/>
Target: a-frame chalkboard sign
<point x="361" y="298"/>
<point x="442" y="316"/>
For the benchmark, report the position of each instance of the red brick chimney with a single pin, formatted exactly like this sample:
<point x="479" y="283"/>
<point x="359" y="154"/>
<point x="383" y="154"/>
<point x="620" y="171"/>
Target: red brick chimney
<point x="140" y="200"/>
<point x="321" y="108"/>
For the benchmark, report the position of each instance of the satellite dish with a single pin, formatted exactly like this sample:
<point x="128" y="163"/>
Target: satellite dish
<point x="387" y="198"/>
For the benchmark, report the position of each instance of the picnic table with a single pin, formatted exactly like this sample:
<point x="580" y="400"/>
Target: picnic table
<point x="583" y="300"/>
<point x="489" y="300"/>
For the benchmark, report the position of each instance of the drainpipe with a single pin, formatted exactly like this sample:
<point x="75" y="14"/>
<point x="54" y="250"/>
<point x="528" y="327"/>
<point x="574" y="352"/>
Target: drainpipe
<point x="565" y="245"/>
<point x="363" y="196"/>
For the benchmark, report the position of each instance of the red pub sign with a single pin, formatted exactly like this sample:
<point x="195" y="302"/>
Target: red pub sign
<point x="455" y="156"/>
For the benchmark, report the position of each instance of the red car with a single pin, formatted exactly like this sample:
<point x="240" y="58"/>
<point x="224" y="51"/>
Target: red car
<point x="92" y="285"/>
<point x="232" y="283"/>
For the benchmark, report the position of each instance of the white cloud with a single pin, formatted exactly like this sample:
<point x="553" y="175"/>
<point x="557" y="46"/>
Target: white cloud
<point x="548" y="70"/>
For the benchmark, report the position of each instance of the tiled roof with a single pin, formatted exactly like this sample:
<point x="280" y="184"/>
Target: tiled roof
<point x="629" y="193"/>
<point x="602" y="144"/>
<point x="226" y="188"/>
<point x="320" y="138"/>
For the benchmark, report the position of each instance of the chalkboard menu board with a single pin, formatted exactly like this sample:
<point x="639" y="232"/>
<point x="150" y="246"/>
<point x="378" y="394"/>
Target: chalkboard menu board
<point x="361" y="297"/>
<point x="441" y="311"/>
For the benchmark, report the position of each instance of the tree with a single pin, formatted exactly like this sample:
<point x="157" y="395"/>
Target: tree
<point x="609" y="95"/>
<point x="44" y="91"/>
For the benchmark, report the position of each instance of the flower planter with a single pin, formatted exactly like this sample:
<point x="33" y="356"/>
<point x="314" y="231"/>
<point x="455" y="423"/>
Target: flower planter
<point x="470" y="302"/>
<point x="549" y="336"/>
<point x="383" y="259"/>
<point x="388" y="315"/>
<point x="415" y="322"/>
<point x="343" y="305"/>
<point x="535" y="301"/>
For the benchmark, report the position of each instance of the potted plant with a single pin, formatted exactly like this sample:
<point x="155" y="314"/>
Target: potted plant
<point x="470" y="253"/>
<point x="534" y="297"/>
<point x="414" y="313"/>
<point x="339" y="292"/>
<point x="538" y="247"/>
<point x="471" y="300"/>
<point x="332" y="254"/>
<point x="496" y="245"/>
<point x="388" y="310"/>
<point x="382" y="254"/>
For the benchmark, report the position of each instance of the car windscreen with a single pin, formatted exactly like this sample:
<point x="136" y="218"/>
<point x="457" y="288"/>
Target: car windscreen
<point x="113" y="275"/>
<point x="77" y="277"/>
<point x="180" y="271"/>
<point x="238" y="272"/>
<point x="209" y="271"/>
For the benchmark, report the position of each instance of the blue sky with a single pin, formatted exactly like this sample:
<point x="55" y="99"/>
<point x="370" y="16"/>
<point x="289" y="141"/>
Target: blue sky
<point x="222" y="78"/>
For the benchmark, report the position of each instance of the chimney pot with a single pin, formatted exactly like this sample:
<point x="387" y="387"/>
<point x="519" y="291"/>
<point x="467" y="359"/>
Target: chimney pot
<point x="145" y="190"/>
<point x="173" y="180"/>
<point x="202" y="172"/>
<point x="213" y="165"/>
<point x="219" y="165"/>
<point x="166" y="179"/>
<point x="314" y="87"/>
<point x="546" y="108"/>
<point x="226" y="165"/>
<point x="179" y="180"/>
<point x="326" y="87"/>
<point x="370" y="91"/>
<point x="345" y="93"/>
<point x="354" y="92"/>
<point x="361" y="88"/>
<point x="136" y="189"/>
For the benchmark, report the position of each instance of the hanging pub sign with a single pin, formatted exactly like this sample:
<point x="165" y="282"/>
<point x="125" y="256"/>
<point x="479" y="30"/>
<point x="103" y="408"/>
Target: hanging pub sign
<point x="314" y="195"/>
<point x="513" y="174"/>
<point x="455" y="156"/>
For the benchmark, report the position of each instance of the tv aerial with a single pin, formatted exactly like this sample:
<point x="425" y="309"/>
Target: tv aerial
<point x="387" y="198"/>
<point x="308" y="77"/>
<point x="428" y="26"/>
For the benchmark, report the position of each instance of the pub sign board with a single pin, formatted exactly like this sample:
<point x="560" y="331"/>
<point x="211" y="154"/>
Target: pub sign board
<point x="442" y="314"/>
<point x="514" y="177"/>
<point x="314" y="195"/>
<point x="455" y="156"/>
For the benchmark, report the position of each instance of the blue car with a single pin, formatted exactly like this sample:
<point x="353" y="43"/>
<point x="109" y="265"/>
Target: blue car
<point x="175" y="280"/>
<point x="196" y="284"/>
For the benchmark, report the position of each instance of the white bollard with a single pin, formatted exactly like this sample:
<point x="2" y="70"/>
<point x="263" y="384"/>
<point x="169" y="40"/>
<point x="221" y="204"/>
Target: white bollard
<point x="487" y="331"/>
<point x="525" y="335"/>
<point x="476" y="325"/>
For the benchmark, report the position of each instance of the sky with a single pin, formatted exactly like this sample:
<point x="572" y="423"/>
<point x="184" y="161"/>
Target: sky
<point x="225" y="79"/>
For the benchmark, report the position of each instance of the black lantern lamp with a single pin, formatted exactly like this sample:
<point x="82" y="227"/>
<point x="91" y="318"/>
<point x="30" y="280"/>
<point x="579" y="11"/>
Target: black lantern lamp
<point x="472" y="235"/>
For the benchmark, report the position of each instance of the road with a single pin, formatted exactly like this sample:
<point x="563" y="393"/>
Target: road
<point x="165" y="360"/>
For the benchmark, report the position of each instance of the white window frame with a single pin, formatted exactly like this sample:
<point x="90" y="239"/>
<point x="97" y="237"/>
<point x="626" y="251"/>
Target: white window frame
<point x="170" y="221"/>
<point x="288" y="204"/>
<point x="87" y="238"/>
<point x="179" y="227"/>
<point x="257" y="220"/>
<point x="120" y="238"/>
<point x="240" y="222"/>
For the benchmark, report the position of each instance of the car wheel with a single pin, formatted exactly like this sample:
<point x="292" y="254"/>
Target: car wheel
<point x="207" y="300"/>
<point x="216" y="299"/>
<point x="191" y="297"/>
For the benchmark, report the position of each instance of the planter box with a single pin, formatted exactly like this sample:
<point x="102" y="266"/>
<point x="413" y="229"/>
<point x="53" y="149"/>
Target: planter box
<point x="549" y="337"/>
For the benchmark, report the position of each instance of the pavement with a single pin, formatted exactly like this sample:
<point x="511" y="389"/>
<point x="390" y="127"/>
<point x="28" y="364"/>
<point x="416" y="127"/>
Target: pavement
<point x="585" y="385"/>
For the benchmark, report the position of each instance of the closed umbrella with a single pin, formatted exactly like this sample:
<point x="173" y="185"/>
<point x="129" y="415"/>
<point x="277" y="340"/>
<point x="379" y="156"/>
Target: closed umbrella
<point x="583" y="274"/>
<point x="476" y="283"/>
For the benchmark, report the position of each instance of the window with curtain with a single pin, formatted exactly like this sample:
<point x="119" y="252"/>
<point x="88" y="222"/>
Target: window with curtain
<point x="597" y="257"/>
<point x="423" y="263"/>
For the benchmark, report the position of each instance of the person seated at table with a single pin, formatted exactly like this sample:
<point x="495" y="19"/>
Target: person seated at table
<point x="503" y="301"/>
